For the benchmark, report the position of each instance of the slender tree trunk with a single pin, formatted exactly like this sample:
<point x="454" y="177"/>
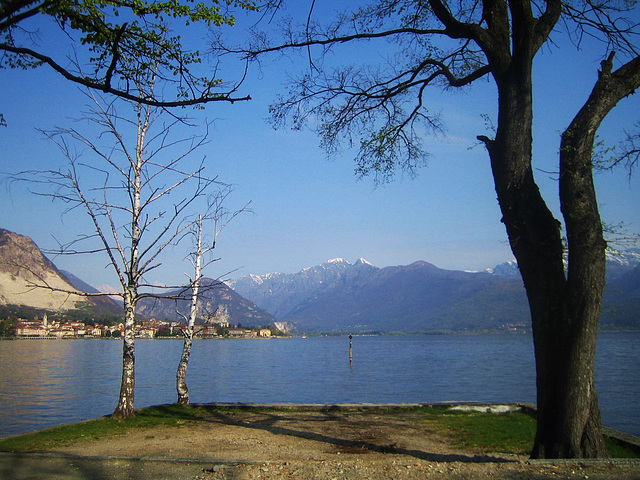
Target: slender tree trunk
<point x="124" y="409"/>
<point x="181" y="383"/>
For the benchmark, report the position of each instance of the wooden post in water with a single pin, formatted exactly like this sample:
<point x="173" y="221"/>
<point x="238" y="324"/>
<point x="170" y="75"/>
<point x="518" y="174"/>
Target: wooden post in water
<point x="350" y="349"/>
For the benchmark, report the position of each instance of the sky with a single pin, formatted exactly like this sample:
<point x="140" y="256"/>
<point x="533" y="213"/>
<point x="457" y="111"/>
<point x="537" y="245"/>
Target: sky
<point x="305" y="208"/>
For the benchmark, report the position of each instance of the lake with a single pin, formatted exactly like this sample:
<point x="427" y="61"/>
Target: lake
<point x="50" y="382"/>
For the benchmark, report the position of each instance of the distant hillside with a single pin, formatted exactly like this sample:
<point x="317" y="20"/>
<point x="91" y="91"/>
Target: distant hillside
<point x="280" y="293"/>
<point x="23" y="266"/>
<point x="213" y="295"/>
<point x="414" y="298"/>
<point x="30" y="279"/>
<point x="359" y="297"/>
<point x="336" y="296"/>
<point x="621" y="303"/>
<point x="105" y="304"/>
<point x="619" y="263"/>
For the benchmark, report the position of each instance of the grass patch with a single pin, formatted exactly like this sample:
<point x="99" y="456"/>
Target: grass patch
<point x="164" y="415"/>
<point x="512" y="432"/>
<point x="618" y="450"/>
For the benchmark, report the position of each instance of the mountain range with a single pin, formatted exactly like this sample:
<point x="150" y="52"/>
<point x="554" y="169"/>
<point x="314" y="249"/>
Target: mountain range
<point x="335" y="296"/>
<point x="343" y="297"/>
<point x="29" y="279"/>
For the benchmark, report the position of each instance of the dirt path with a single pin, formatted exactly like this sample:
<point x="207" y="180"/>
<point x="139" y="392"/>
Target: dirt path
<point x="245" y="444"/>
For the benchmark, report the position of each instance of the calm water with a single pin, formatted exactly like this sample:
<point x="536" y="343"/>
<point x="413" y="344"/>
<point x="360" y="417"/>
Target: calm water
<point x="45" y="383"/>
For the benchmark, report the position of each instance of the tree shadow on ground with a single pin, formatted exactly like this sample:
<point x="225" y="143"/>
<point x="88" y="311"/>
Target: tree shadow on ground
<point x="275" y="423"/>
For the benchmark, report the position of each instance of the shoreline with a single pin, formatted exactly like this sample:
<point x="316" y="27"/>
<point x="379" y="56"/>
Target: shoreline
<point x="313" y="360"/>
<point x="308" y="441"/>
<point x="313" y="335"/>
<point x="530" y="409"/>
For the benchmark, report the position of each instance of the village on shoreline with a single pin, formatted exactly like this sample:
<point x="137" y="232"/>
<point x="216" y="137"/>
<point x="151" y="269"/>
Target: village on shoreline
<point x="45" y="328"/>
<point x="64" y="327"/>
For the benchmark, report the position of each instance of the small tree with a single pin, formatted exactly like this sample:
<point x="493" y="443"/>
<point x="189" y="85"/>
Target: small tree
<point x="220" y="217"/>
<point x="125" y="191"/>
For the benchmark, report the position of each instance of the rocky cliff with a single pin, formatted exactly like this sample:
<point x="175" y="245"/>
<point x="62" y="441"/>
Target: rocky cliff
<point x="29" y="278"/>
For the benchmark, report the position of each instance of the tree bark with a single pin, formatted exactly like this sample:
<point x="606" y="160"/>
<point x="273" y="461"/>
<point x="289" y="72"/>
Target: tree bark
<point x="569" y="425"/>
<point x="124" y="409"/>
<point x="564" y="309"/>
<point x="181" y="383"/>
<point x="536" y="241"/>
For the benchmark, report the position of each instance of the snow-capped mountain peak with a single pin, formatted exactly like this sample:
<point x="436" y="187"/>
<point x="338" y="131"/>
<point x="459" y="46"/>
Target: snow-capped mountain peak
<point x="336" y="260"/>
<point x="362" y="261"/>
<point x="258" y="279"/>
<point x="507" y="269"/>
<point x="337" y="295"/>
<point x="628" y="258"/>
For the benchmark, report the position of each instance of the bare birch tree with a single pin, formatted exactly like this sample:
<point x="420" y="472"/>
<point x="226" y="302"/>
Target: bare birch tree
<point x="219" y="217"/>
<point x="124" y="188"/>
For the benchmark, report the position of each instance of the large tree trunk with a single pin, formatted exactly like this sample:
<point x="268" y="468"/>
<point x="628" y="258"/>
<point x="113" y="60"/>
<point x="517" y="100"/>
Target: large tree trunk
<point x="564" y="337"/>
<point x="569" y="424"/>
<point x="124" y="409"/>
<point x="564" y="309"/>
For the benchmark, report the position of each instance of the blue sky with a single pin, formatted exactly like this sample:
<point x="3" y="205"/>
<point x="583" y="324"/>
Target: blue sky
<point x="307" y="209"/>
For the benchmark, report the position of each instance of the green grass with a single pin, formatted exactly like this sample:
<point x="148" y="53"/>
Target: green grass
<point x="617" y="450"/>
<point x="165" y="415"/>
<point x="512" y="432"/>
<point x="493" y="432"/>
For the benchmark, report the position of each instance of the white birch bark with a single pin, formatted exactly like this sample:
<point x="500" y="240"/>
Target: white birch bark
<point x="181" y="384"/>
